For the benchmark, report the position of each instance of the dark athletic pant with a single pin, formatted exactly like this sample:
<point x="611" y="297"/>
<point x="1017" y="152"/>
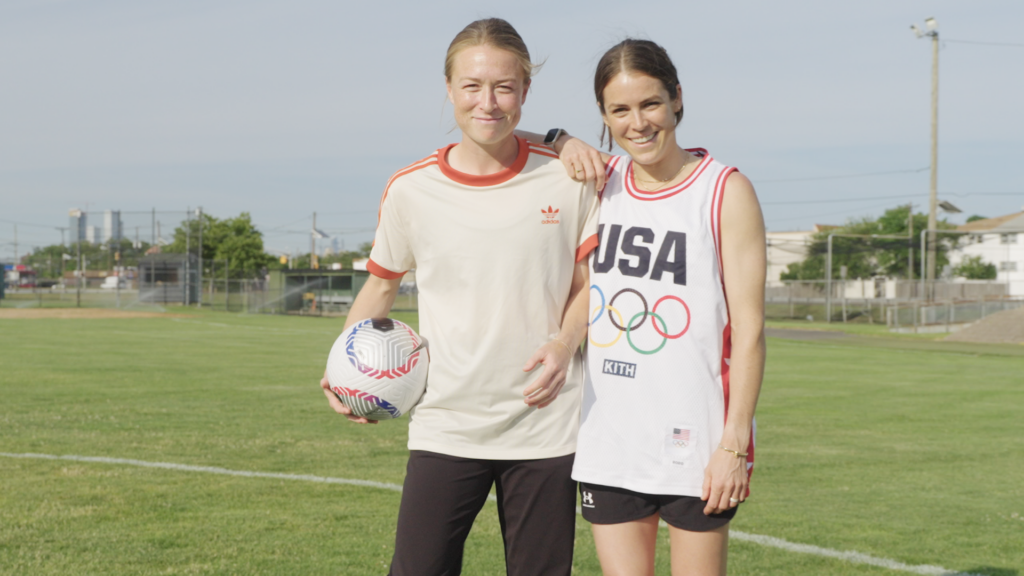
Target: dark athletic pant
<point x="443" y="494"/>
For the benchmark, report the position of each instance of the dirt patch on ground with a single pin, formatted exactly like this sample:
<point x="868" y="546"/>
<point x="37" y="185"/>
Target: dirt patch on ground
<point x="1005" y="327"/>
<point x="73" y="313"/>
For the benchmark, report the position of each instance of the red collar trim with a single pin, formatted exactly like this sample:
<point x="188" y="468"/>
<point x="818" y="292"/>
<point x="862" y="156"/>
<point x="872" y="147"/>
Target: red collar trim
<point x="667" y="192"/>
<point x="489" y="179"/>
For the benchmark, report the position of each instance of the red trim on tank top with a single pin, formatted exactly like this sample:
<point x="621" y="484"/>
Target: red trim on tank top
<point x="499" y="177"/>
<point x="672" y="191"/>
<point x="716" y="218"/>
<point x="609" y="169"/>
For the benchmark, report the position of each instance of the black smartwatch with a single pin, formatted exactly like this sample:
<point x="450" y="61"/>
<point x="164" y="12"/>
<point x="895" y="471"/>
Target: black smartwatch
<point x="553" y="135"/>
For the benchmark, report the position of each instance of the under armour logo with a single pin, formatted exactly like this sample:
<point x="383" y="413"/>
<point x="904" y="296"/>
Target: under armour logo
<point x="588" y="499"/>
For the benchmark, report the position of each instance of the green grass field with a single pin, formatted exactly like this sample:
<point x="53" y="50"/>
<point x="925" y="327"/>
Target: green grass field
<point x="902" y="448"/>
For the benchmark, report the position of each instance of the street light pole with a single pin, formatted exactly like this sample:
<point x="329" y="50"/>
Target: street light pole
<point x="312" y="245"/>
<point x="932" y="31"/>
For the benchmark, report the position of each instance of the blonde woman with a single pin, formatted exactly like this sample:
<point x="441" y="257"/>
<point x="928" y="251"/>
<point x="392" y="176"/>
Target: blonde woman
<point x="499" y="237"/>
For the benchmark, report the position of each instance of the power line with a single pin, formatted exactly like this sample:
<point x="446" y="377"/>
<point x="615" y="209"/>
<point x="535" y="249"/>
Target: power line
<point x="957" y="194"/>
<point x="288" y="224"/>
<point x="843" y="177"/>
<point x="25" y="223"/>
<point x="348" y="212"/>
<point x="841" y="200"/>
<point x="772" y="220"/>
<point x="1011" y="44"/>
<point x="962" y="194"/>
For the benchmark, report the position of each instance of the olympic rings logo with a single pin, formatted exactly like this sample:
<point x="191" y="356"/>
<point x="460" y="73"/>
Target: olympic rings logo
<point x="637" y="321"/>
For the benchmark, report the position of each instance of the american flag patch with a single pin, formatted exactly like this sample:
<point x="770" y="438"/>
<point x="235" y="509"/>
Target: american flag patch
<point x="681" y="434"/>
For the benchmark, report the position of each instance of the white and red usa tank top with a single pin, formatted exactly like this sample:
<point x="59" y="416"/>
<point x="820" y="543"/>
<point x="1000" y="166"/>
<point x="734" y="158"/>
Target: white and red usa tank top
<point x="657" y="362"/>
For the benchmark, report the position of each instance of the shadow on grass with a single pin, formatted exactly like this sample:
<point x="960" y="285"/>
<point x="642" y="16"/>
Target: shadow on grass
<point x="993" y="571"/>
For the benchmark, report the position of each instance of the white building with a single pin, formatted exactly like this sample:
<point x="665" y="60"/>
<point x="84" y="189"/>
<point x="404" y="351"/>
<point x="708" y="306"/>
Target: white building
<point x="785" y="248"/>
<point x="112" y="225"/>
<point x="998" y="241"/>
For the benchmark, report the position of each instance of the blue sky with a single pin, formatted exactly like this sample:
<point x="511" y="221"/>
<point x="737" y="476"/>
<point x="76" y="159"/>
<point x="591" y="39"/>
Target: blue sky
<point x="284" y="108"/>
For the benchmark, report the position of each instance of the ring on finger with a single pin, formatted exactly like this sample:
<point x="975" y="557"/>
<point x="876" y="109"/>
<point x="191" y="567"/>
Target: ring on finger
<point x="734" y="501"/>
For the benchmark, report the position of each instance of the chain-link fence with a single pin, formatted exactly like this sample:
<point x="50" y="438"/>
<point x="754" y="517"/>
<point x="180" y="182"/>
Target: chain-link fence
<point x="918" y="316"/>
<point x="161" y="285"/>
<point x="874" y="300"/>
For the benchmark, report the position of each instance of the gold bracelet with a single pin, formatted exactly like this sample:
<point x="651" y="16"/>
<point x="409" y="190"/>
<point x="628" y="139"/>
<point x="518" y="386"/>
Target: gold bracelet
<point x="567" y="349"/>
<point x="736" y="453"/>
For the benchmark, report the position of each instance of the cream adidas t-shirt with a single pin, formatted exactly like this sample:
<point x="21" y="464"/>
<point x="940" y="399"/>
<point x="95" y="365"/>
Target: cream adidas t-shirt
<point x="494" y="258"/>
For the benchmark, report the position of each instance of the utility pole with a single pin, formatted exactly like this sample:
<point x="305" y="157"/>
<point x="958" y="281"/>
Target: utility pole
<point x="313" y="235"/>
<point x="910" y="243"/>
<point x="78" y="285"/>
<point x="188" y="253"/>
<point x="828" y="281"/>
<point x="312" y="243"/>
<point x="152" y="229"/>
<point x="932" y="31"/>
<point x="199" y="296"/>
<point x="16" y="259"/>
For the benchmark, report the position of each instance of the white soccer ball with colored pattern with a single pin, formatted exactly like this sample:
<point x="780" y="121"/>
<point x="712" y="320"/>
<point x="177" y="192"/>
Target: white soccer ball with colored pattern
<point x="378" y="368"/>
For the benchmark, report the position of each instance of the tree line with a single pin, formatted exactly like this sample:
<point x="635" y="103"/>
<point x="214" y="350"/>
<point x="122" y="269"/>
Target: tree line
<point x="235" y="240"/>
<point x="865" y="256"/>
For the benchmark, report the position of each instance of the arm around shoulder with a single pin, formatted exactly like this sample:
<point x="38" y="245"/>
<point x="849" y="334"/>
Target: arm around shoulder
<point x="582" y="162"/>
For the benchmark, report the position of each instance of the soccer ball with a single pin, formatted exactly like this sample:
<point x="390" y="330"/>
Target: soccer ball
<point x="378" y="368"/>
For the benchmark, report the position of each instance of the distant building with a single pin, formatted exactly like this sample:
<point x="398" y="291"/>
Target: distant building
<point x="112" y="229"/>
<point x="76" y="225"/>
<point x="19" y="276"/>
<point x="92" y="234"/>
<point x="785" y="248"/>
<point x="998" y="241"/>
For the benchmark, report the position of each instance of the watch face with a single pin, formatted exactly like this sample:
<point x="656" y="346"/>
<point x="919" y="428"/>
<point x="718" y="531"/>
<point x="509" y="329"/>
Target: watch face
<point x="553" y="135"/>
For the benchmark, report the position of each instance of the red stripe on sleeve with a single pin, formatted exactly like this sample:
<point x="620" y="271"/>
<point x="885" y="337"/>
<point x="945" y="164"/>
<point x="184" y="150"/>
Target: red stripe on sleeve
<point x="586" y="248"/>
<point x="428" y="161"/>
<point x="382" y="272"/>
<point x="534" y="149"/>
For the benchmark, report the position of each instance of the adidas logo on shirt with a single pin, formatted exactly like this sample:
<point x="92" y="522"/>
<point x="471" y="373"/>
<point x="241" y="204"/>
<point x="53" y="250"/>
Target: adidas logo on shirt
<point x="550" y="216"/>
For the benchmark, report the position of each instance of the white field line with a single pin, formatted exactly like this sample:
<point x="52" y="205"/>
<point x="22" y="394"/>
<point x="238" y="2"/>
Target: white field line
<point x="848" y="556"/>
<point x="211" y="470"/>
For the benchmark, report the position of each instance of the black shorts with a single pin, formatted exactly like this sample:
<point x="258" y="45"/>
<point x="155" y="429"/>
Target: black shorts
<point x="443" y="494"/>
<point x="610" y="505"/>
